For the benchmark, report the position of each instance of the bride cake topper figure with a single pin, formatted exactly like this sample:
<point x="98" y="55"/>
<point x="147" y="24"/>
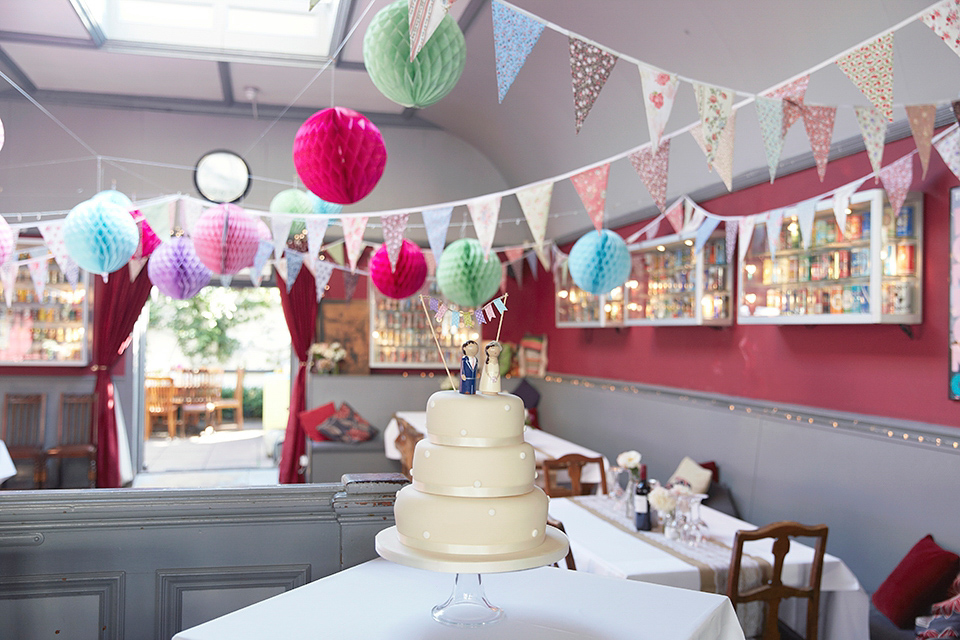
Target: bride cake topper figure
<point x="468" y="367"/>
<point x="490" y="377"/>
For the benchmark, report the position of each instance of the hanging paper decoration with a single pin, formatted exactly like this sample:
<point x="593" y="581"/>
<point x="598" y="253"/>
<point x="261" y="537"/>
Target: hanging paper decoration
<point x="590" y="67"/>
<point x="100" y="236"/>
<point x="465" y="276"/>
<point x="535" y="204"/>
<point x="436" y="222"/>
<point x="316" y="230"/>
<point x="189" y="211"/>
<point x="792" y="94"/>
<point x="148" y="239"/>
<point x="770" y="115"/>
<point x="774" y="221"/>
<point x="115" y="197"/>
<point x="176" y="270"/>
<point x="873" y="126"/>
<point x="321" y="276"/>
<point x="353" y="228"/>
<point x="922" y="118"/>
<point x="659" y="90"/>
<point x="393" y="228"/>
<point x="653" y="228"/>
<point x="805" y="212"/>
<point x="503" y="278"/>
<point x="8" y="240"/>
<point x="730" y="238"/>
<point x="652" y="167"/>
<point x="532" y="263"/>
<point x="402" y="279"/>
<point x="949" y="149"/>
<point x="674" y="215"/>
<point x="321" y="206"/>
<point x="944" y="19"/>
<point x="350" y="281"/>
<point x="514" y="37"/>
<point x="745" y="231"/>
<point x="897" y="178"/>
<point x="599" y="262"/>
<point x="226" y="239"/>
<point x="841" y="202"/>
<point x="818" y="121"/>
<point x="411" y="82"/>
<point x="484" y="213"/>
<point x="8" y="278"/>
<point x="723" y="152"/>
<point x="281" y="231"/>
<point x="709" y="225"/>
<point x="870" y="68"/>
<point x="292" y="201"/>
<point x="294" y="263"/>
<point x="336" y="252"/>
<point x="515" y="262"/>
<point x="264" y="249"/>
<point x="39" y="274"/>
<point x="339" y="155"/>
<point x="424" y="18"/>
<point x="591" y="186"/>
<point x="715" y="105"/>
<point x="160" y="217"/>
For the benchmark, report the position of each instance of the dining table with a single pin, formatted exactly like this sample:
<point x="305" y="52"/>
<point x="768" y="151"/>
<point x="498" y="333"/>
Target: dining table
<point x="382" y="600"/>
<point x="605" y="542"/>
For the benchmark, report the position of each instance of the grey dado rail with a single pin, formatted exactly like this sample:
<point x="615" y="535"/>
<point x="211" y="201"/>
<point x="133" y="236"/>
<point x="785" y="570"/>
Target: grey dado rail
<point x="145" y="563"/>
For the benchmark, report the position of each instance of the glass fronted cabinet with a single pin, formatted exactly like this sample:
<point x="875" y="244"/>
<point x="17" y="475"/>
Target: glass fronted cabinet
<point x="869" y="272"/>
<point x="577" y="308"/>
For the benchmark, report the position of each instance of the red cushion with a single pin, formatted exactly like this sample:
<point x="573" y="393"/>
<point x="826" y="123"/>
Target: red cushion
<point x="714" y="469"/>
<point x="313" y="418"/>
<point x="921" y="578"/>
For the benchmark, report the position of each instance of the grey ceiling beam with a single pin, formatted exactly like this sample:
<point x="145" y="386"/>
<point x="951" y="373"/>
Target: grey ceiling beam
<point x="16" y="74"/>
<point x="51" y="41"/>
<point x="89" y="22"/>
<point x="226" y="82"/>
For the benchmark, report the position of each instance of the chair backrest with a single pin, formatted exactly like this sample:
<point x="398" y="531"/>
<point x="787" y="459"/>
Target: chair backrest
<point x="406" y="442"/>
<point x="573" y="463"/>
<point x="159" y="394"/>
<point x="238" y="390"/>
<point x="773" y="591"/>
<point x="24" y="420"/>
<point x="571" y="565"/>
<point x="78" y="419"/>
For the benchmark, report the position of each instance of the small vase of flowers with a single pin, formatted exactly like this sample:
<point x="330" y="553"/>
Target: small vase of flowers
<point x="326" y="357"/>
<point x="630" y="460"/>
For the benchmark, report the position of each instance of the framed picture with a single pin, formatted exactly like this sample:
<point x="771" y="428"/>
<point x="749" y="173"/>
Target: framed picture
<point x="954" y="327"/>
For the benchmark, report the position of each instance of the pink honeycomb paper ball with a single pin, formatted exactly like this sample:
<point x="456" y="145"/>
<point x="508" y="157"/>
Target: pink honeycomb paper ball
<point x="409" y="276"/>
<point x="242" y="239"/>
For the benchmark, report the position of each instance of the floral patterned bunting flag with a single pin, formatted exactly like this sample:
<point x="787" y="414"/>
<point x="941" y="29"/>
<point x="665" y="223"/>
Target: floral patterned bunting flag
<point x="294" y="262"/>
<point x="873" y="126"/>
<point x="424" y="18"/>
<point x="949" y="149"/>
<point x="280" y="225"/>
<point x="393" y="228"/>
<point x="484" y="213"/>
<point x="515" y="262"/>
<point x="870" y="68"/>
<point x="654" y="228"/>
<point x="723" y="160"/>
<point x="774" y="220"/>
<point x="190" y="211"/>
<point x="590" y="67"/>
<point x="770" y="115"/>
<point x="841" y="202"/>
<point x="514" y="37"/>
<point x="792" y="94"/>
<point x="745" y="233"/>
<point x="652" y="167"/>
<point x="8" y="278"/>
<point x="730" y="229"/>
<point x="805" y="212"/>
<point x="532" y="263"/>
<point x="674" y="215"/>
<point x="897" y="178"/>
<point x="316" y="230"/>
<point x="535" y="204"/>
<point x="437" y="221"/>
<point x="264" y="249"/>
<point x="353" y="228"/>
<point x="591" y="186"/>
<point x="52" y="234"/>
<point x="659" y="90"/>
<point x="321" y="276"/>
<point x="944" y="19"/>
<point x="922" y="118"/>
<point x="818" y="121"/>
<point x="544" y="256"/>
<point x="703" y="232"/>
<point x="39" y="273"/>
<point x="714" y="105"/>
<point x="350" y="281"/>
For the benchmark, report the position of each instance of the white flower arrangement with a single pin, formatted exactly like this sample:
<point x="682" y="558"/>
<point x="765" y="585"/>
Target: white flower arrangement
<point x="663" y="499"/>
<point x="325" y="357"/>
<point x="630" y="460"/>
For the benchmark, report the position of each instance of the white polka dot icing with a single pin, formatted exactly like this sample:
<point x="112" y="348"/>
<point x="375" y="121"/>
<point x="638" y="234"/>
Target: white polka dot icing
<point x="426" y="534"/>
<point x="477" y="483"/>
<point x="534" y="534"/>
<point x="506" y="407"/>
<point x="463" y="432"/>
<point x="426" y="454"/>
<point x="492" y="512"/>
<point x="433" y="403"/>
<point x="523" y="455"/>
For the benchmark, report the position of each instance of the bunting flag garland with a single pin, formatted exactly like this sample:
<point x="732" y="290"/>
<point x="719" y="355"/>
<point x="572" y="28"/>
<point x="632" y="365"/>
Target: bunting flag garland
<point x="8" y="278"/>
<point x="659" y="91"/>
<point x="190" y="211"/>
<point x="841" y="202"/>
<point x="654" y="228"/>
<point x="532" y="263"/>
<point x="515" y="262"/>
<point x="321" y="276"/>
<point x="353" y="228"/>
<point x="135" y="266"/>
<point x="674" y="215"/>
<point x="897" y="178"/>
<point x="535" y="204"/>
<point x="792" y="94"/>
<point x="393" y="228"/>
<point x="280" y="226"/>
<point x="873" y="126"/>
<point x="480" y="316"/>
<point x="591" y="186"/>
<point x="503" y="277"/>
<point x="714" y="104"/>
<point x="805" y="212"/>
<point x="441" y="312"/>
<point x="703" y="232"/>
<point x="160" y="217"/>
<point x="484" y="213"/>
<point x="590" y="68"/>
<point x="514" y="37"/>
<point x="294" y="262"/>
<point x="730" y="236"/>
<point x="774" y="220"/>
<point x="260" y="260"/>
<point x="336" y="253"/>
<point x="944" y="19"/>
<point x="316" y="230"/>
<point x="52" y="234"/>
<point x="949" y="149"/>
<point x="543" y="256"/>
<point x="425" y="16"/>
<point x="723" y="160"/>
<point x="696" y="215"/>
<point x="870" y="68"/>
<point x="39" y="273"/>
<point x="436" y="222"/>
<point x="770" y="115"/>
<point x="818" y="121"/>
<point x="350" y="281"/>
<point x="468" y="318"/>
<point x="652" y="167"/>
<point x="922" y="118"/>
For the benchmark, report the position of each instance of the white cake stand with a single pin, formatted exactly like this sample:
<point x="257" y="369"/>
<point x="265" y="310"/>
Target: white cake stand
<point x="467" y="606"/>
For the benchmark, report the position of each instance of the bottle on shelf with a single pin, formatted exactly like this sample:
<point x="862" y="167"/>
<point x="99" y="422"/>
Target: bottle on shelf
<point x="641" y="503"/>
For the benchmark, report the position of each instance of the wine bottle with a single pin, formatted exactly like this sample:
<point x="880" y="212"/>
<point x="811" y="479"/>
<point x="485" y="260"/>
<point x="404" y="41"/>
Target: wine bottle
<point x="641" y="504"/>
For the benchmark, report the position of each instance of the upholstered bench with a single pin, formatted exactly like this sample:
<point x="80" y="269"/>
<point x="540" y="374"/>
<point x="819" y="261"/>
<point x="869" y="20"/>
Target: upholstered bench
<point x="328" y="461"/>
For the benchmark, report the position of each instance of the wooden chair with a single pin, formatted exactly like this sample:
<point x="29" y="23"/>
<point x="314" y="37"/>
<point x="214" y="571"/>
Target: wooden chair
<point x="24" y="422"/>
<point x="200" y="396"/>
<point x="406" y="442"/>
<point x="573" y="464"/>
<point x="235" y="403"/>
<point x="571" y="565"/>
<point x="77" y="432"/>
<point x="773" y="591"/>
<point x="159" y="394"/>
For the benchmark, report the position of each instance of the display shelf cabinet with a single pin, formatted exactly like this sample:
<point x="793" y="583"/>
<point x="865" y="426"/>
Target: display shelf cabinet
<point x="870" y="273"/>
<point x="47" y="329"/>
<point x="400" y="336"/>
<point x="575" y="308"/>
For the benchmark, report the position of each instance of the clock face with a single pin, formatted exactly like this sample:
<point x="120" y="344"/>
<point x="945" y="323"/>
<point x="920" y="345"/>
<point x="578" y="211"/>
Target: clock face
<point x="222" y="176"/>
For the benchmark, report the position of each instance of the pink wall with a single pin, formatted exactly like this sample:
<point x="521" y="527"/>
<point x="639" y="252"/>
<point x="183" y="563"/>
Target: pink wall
<point x="868" y="369"/>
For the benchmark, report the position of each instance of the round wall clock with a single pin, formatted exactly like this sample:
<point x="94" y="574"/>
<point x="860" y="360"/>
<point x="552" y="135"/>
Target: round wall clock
<point x="222" y="176"/>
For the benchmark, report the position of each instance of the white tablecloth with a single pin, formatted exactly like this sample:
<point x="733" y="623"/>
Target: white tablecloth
<point x="600" y="547"/>
<point x="7" y="468"/>
<point x="545" y="445"/>
<point x="379" y="599"/>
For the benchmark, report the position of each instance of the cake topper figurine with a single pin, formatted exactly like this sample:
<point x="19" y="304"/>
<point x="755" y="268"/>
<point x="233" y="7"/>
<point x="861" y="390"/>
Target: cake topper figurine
<point x="490" y="378"/>
<point x="468" y="367"/>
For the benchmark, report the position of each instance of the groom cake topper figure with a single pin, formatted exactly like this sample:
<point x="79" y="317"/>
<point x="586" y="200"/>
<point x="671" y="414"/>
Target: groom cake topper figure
<point x="468" y="367"/>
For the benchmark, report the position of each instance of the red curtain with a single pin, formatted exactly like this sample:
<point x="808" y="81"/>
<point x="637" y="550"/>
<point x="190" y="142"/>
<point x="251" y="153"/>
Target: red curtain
<point x="300" y="311"/>
<point x="117" y="305"/>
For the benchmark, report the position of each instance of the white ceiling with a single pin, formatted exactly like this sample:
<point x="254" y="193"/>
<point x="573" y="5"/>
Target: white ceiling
<point x="744" y="44"/>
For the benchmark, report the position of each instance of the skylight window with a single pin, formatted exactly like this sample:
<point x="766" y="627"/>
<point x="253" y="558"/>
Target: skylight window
<point x="256" y="30"/>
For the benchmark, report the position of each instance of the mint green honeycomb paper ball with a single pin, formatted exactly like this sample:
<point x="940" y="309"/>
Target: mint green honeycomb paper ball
<point x="432" y="74"/>
<point x="464" y="276"/>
